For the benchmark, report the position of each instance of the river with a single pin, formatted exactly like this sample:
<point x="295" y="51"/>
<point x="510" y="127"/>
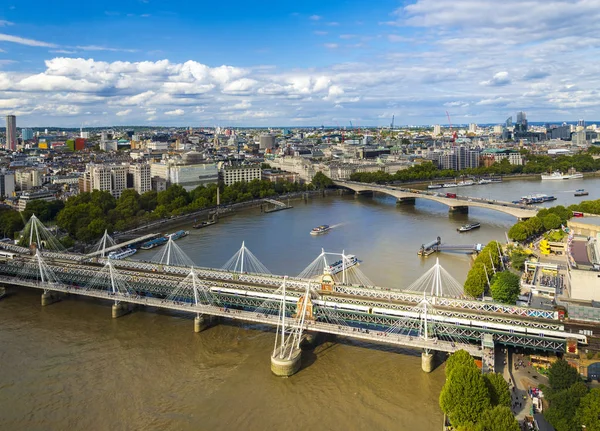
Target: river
<point x="69" y="365"/>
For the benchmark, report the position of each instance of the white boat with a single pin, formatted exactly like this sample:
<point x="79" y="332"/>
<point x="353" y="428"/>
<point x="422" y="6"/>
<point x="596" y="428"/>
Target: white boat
<point x="465" y="183"/>
<point x="122" y="255"/>
<point x="557" y="175"/>
<point x="320" y="229"/>
<point x="484" y="181"/>
<point x="435" y="186"/>
<point x="340" y="265"/>
<point x="448" y="185"/>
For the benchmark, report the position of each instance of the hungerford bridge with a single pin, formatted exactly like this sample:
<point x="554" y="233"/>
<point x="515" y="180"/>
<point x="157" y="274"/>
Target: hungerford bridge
<point x="334" y="302"/>
<point x="457" y="203"/>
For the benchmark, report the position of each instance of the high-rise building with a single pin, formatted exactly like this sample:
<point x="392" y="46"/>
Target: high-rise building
<point x="140" y="177"/>
<point x="508" y="122"/>
<point x="437" y="130"/>
<point x="581" y="123"/>
<point x="26" y="134"/>
<point x="7" y="183"/>
<point x="111" y="178"/>
<point x="472" y="128"/>
<point x="521" y="125"/>
<point x="267" y="141"/>
<point x="11" y="132"/>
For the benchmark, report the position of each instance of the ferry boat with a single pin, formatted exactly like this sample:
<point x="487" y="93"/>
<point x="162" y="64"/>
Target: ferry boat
<point x="148" y="245"/>
<point x="468" y="227"/>
<point x="122" y="255"/>
<point x="320" y="229"/>
<point x="435" y="186"/>
<point x="484" y="181"/>
<point x="179" y="234"/>
<point x="557" y="175"/>
<point x="459" y="184"/>
<point x="581" y="192"/>
<point x="535" y="199"/>
<point x="339" y="266"/>
<point x="203" y="224"/>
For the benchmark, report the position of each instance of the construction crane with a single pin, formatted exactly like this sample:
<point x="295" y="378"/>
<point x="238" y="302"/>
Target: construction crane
<point x="453" y="133"/>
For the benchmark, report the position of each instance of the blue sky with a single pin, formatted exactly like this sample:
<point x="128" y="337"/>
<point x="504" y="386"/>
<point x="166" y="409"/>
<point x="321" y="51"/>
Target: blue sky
<point x="269" y="63"/>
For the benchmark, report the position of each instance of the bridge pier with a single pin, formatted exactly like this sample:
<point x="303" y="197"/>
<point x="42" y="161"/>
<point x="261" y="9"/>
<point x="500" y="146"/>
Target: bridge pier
<point x="2" y="292"/>
<point x="405" y="201"/>
<point x="463" y="209"/>
<point x="120" y="309"/>
<point x="363" y="193"/>
<point x="288" y="365"/>
<point x="49" y="298"/>
<point x="427" y="361"/>
<point x="201" y="322"/>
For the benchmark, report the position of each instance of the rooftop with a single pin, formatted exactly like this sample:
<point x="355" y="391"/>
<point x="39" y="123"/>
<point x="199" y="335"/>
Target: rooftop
<point x="595" y="221"/>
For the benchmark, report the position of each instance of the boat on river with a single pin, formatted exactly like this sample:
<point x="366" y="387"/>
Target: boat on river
<point x="204" y="224"/>
<point x="343" y="264"/>
<point x="581" y="192"/>
<point x="468" y="227"/>
<point x="557" y="175"/>
<point x="122" y="255"/>
<point x="320" y="229"/>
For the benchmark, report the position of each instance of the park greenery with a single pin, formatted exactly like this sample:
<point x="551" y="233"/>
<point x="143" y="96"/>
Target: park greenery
<point x="86" y="216"/>
<point x="484" y="267"/>
<point x="475" y="402"/>
<point x="571" y="404"/>
<point x="534" y="164"/>
<point x="550" y="218"/>
<point x="505" y="287"/>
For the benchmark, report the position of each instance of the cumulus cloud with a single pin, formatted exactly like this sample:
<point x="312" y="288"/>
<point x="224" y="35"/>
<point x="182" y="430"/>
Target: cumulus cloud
<point x="499" y="79"/>
<point x="123" y="113"/>
<point x="175" y="112"/>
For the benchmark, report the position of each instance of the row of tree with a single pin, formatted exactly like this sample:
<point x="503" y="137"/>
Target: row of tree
<point x="85" y="216"/>
<point x="550" y="218"/>
<point x="572" y="406"/>
<point x="475" y="402"/>
<point x="534" y="165"/>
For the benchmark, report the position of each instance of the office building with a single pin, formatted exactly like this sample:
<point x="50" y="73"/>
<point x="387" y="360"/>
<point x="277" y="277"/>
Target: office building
<point x="521" y="125"/>
<point x="231" y="174"/>
<point x="472" y="128"/>
<point x="11" y="132"/>
<point x="139" y="178"/>
<point x="267" y="141"/>
<point x="508" y="123"/>
<point x="437" y="130"/>
<point x="43" y="195"/>
<point x="27" y="179"/>
<point x="189" y="171"/>
<point x="7" y="183"/>
<point x="27" y="134"/>
<point x="110" y="178"/>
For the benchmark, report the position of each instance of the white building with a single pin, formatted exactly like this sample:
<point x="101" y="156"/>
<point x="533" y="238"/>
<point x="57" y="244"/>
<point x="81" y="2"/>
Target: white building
<point x="188" y="175"/>
<point x="234" y="174"/>
<point x="7" y="183"/>
<point x="44" y="195"/>
<point x="141" y="177"/>
<point x="157" y="146"/>
<point x="110" y="178"/>
<point x="437" y="130"/>
<point x="108" y="146"/>
<point x="28" y="179"/>
<point x="472" y="128"/>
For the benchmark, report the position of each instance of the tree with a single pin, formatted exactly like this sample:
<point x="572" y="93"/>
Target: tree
<point x="476" y="281"/>
<point x="551" y="221"/>
<point x="588" y="412"/>
<point x="10" y="222"/>
<point x="561" y="375"/>
<point x="505" y="287"/>
<point x="563" y="407"/>
<point x="498" y="389"/>
<point x="517" y="259"/>
<point x="519" y="232"/>
<point x="500" y="418"/>
<point x="534" y="225"/>
<point x="464" y="396"/>
<point x="321" y="181"/>
<point x="457" y="359"/>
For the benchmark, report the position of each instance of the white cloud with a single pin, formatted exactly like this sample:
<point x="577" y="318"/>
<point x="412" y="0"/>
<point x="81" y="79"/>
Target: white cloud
<point x="320" y="33"/>
<point x="123" y="113"/>
<point x="331" y="45"/>
<point x="315" y="17"/>
<point x="175" y="112"/>
<point x="4" y="23"/>
<point x="25" y="41"/>
<point x="499" y="79"/>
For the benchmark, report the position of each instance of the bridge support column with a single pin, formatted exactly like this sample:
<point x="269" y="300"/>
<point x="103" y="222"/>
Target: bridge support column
<point x="405" y="201"/>
<point x="2" y="292"/>
<point x="201" y="322"/>
<point x="120" y="309"/>
<point x="288" y="365"/>
<point x="463" y="209"/>
<point x="310" y="339"/>
<point x="363" y="193"/>
<point x="49" y="298"/>
<point x="427" y="361"/>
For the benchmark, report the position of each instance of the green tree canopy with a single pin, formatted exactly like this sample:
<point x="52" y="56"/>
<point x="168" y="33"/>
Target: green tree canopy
<point x="505" y="287"/>
<point x="588" y="412"/>
<point x="563" y="407"/>
<point x="561" y="375"/>
<point x="552" y="221"/>
<point x="519" y="232"/>
<point x="476" y="281"/>
<point x="500" y="418"/>
<point x="458" y="359"/>
<point x="498" y="389"/>
<point x="321" y="181"/>
<point x="464" y="396"/>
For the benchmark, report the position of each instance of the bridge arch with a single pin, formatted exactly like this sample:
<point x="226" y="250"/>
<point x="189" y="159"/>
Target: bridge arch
<point x="460" y="202"/>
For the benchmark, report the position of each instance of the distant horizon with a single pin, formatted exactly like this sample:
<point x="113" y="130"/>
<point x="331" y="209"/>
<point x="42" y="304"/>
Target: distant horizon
<point x="334" y="127"/>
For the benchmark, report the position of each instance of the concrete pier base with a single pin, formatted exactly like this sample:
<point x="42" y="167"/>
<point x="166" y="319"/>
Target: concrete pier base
<point x="459" y="209"/>
<point x="427" y="362"/>
<point x="2" y="292"/>
<point x="49" y="298"/>
<point x="286" y="367"/>
<point x="405" y="201"/>
<point x="120" y="309"/>
<point x="201" y="322"/>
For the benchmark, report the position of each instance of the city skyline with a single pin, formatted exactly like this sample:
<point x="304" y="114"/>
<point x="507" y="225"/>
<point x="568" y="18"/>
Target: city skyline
<point x="270" y="64"/>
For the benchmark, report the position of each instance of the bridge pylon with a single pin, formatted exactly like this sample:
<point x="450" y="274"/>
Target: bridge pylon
<point x="286" y="357"/>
